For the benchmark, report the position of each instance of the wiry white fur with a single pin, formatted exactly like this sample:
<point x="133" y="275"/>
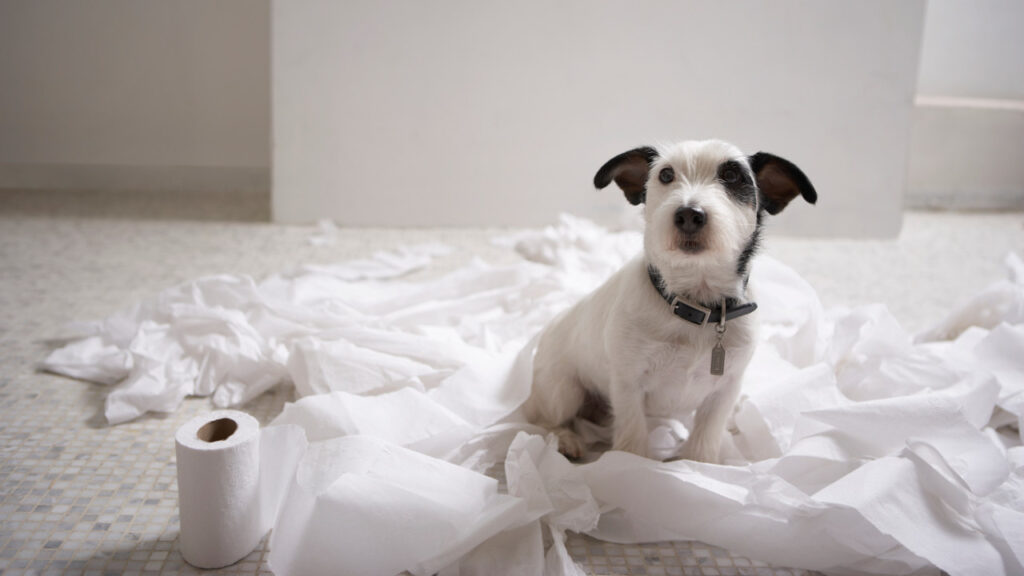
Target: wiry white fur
<point x="707" y="276"/>
<point x="623" y="343"/>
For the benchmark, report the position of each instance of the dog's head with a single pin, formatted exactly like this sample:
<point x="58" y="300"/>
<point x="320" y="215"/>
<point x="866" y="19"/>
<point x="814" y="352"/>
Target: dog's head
<point x="703" y="207"/>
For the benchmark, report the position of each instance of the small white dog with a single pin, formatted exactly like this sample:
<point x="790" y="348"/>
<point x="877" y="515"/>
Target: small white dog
<point x="652" y="340"/>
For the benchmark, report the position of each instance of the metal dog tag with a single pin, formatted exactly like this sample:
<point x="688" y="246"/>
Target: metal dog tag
<point x="718" y="359"/>
<point x="718" y="352"/>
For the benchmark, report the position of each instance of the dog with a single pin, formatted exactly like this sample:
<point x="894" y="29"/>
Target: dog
<point x="673" y="331"/>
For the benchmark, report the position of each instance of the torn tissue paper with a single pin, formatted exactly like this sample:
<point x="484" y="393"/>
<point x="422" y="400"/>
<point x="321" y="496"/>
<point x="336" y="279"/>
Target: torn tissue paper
<point x="856" y="448"/>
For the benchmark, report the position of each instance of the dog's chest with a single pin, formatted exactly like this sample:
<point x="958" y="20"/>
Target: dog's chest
<point x="662" y="360"/>
<point x="671" y="365"/>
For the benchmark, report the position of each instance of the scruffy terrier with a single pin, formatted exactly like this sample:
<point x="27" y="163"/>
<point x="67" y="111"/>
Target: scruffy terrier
<point x="672" y="331"/>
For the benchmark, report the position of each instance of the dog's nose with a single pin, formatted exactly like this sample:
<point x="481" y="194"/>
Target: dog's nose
<point x="690" y="219"/>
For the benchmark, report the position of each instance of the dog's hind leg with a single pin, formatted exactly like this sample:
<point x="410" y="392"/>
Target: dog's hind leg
<point x="553" y="403"/>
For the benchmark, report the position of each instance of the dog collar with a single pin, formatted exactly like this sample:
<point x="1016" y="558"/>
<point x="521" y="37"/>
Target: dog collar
<point x="696" y="313"/>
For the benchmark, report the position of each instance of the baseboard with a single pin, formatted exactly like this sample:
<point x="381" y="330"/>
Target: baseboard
<point x="983" y="201"/>
<point x="965" y="154"/>
<point x="135" y="178"/>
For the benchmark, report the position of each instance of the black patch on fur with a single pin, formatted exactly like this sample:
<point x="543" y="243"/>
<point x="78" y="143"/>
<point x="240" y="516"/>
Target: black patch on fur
<point x="779" y="181"/>
<point x="595" y="408"/>
<point x="753" y="244"/>
<point x="742" y="188"/>
<point x="629" y="170"/>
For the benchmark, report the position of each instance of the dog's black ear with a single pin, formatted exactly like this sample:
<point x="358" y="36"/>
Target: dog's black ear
<point x="779" y="181"/>
<point x="629" y="170"/>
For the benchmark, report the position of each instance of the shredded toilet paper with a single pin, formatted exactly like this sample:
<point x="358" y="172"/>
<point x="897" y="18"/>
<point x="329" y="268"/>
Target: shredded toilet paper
<point x="856" y="448"/>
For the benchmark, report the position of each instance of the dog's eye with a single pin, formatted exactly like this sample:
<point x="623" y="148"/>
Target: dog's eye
<point x="730" y="176"/>
<point x="666" y="176"/>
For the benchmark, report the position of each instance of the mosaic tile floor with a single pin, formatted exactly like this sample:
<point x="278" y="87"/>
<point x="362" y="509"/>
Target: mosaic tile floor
<point x="79" y="497"/>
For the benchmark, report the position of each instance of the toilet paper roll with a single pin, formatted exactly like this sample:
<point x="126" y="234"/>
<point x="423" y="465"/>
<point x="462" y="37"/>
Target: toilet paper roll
<point x="231" y="479"/>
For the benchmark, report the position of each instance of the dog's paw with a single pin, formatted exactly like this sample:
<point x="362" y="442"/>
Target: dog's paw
<point x="569" y="443"/>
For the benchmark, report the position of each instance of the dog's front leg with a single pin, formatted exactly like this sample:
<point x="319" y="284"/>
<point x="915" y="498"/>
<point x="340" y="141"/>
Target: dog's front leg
<point x="630" y="423"/>
<point x="710" y="420"/>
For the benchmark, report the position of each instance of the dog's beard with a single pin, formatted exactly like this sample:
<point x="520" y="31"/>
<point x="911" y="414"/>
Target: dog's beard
<point x="691" y="244"/>
<point x="678" y="245"/>
<point x="700" y="266"/>
<point x="704" y="260"/>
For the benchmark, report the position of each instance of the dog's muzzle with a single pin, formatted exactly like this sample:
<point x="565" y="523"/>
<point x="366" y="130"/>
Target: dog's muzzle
<point x="690" y="222"/>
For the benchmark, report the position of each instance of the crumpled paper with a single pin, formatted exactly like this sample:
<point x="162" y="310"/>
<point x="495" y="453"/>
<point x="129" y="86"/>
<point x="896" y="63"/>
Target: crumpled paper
<point x="856" y="448"/>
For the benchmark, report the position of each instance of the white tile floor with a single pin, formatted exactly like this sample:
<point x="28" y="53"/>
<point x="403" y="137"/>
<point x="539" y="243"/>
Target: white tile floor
<point x="78" y="497"/>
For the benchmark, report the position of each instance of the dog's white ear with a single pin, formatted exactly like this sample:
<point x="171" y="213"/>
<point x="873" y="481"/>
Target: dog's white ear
<point x="779" y="181"/>
<point x="629" y="170"/>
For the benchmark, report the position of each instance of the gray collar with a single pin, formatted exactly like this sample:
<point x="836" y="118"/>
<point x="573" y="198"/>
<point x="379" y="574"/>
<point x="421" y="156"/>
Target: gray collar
<point x="698" y="313"/>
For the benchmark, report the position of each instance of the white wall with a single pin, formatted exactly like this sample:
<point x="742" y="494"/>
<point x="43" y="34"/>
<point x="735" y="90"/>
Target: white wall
<point x="468" y="113"/>
<point x="135" y="94"/>
<point x="973" y="49"/>
<point x="965" y="156"/>
<point x="967" y="136"/>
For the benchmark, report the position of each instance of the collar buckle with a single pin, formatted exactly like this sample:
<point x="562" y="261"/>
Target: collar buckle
<point x="695" y="313"/>
<point x="688" y="311"/>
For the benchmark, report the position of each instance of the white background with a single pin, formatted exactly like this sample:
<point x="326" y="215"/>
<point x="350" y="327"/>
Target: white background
<point x="176" y="95"/>
<point x="469" y="113"/>
<point x="973" y="49"/>
<point x="967" y="134"/>
<point x="146" y="94"/>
